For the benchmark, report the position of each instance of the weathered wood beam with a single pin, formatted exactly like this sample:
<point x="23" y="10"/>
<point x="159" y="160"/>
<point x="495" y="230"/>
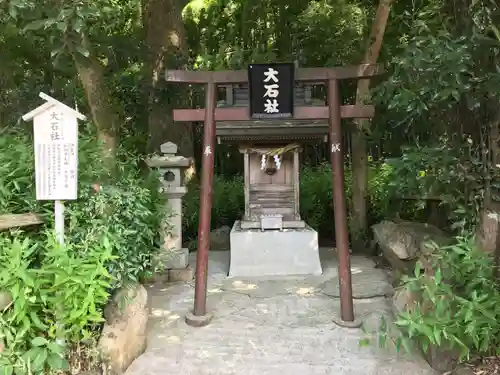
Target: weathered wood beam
<point x="301" y="74"/>
<point x="9" y="221"/>
<point x="300" y="113"/>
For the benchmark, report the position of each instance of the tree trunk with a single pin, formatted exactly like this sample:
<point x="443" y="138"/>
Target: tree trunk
<point x="488" y="228"/>
<point x="101" y="105"/>
<point x="359" y="225"/>
<point x="166" y="48"/>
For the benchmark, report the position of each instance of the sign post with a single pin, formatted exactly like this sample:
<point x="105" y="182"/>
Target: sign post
<point x="55" y="129"/>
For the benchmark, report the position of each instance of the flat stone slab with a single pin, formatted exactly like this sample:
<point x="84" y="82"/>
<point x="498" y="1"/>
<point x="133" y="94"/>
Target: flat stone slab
<point x="268" y="326"/>
<point x="367" y="283"/>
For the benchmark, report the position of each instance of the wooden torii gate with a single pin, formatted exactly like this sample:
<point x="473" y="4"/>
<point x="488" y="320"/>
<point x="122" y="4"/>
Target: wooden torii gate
<point x="333" y="111"/>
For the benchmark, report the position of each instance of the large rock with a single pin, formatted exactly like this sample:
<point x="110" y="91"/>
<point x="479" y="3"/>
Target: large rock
<point x="403" y="300"/>
<point x="406" y="240"/>
<point x="441" y="359"/>
<point x="124" y="334"/>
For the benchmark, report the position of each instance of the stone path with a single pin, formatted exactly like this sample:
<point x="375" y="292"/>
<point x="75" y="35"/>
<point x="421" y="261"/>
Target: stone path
<point x="272" y="326"/>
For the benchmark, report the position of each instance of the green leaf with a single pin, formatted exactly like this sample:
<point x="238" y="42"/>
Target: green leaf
<point x="382" y="339"/>
<point x="7" y="369"/>
<point x="364" y="342"/>
<point x="437" y="276"/>
<point x="13" y="14"/>
<point x="399" y="343"/>
<point x="417" y="270"/>
<point x="61" y="26"/>
<point x="57" y="362"/>
<point x="36" y="321"/>
<point x="55" y="52"/>
<point x="35" y="25"/>
<point x="83" y="51"/>
<point x="38" y="362"/>
<point x="437" y="337"/>
<point x="402" y="323"/>
<point x="39" y="341"/>
<point x="77" y="25"/>
<point x="65" y="13"/>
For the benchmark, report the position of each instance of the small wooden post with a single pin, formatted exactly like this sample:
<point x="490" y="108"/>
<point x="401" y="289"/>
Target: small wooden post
<point x="246" y="161"/>
<point x="339" y="204"/>
<point x="199" y="316"/>
<point x="59" y="220"/>
<point x="296" y="184"/>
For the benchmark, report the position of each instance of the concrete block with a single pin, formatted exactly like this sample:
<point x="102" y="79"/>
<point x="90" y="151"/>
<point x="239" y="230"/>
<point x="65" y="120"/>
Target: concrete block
<point x="181" y="274"/>
<point x="157" y="278"/>
<point x="175" y="258"/>
<point x="274" y="253"/>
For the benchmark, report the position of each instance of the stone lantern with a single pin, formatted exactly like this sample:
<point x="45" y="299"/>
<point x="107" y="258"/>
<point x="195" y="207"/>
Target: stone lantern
<point x="171" y="168"/>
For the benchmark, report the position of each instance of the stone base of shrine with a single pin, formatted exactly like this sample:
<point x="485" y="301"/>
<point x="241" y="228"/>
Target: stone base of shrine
<point x="274" y="253"/>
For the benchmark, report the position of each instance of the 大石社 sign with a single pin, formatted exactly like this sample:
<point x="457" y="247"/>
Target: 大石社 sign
<point x="271" y="90"/>
<point x="55" y="129"/>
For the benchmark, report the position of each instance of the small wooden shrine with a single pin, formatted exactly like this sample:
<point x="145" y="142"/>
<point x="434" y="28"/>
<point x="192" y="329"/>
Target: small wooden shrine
<point x="270" y="110"/>
<point x="271" y="148"/>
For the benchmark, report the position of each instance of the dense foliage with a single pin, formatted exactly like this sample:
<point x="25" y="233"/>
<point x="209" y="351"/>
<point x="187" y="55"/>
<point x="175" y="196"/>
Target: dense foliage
<point x="458" y="308"/>
<point x="59" y="291"/>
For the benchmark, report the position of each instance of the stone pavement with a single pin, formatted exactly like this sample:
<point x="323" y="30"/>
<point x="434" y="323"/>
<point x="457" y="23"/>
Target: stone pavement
<point x="272" y="326"/>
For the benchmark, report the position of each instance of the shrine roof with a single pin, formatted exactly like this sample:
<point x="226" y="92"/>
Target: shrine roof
<point x="272" y="130"/>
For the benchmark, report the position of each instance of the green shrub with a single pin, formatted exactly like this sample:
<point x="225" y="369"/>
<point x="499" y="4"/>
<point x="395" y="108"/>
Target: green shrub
<point x="378" y="193"/>
<point x="459" y="304"/>
<point x="50" y="283"/>
<point x="448" y="170"/>
<point x="111" y="238"/>
<point x="16" y="174"/>
<point x="316" y="205"/>
<point x="228" y="204"/>
<point x="130" y="212"/>
<point x="126" y="207"/>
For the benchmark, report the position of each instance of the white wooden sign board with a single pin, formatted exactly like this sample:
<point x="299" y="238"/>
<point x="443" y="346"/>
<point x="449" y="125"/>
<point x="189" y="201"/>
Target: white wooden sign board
<point x="55" y="128"/>
<point x="56" y="154"/>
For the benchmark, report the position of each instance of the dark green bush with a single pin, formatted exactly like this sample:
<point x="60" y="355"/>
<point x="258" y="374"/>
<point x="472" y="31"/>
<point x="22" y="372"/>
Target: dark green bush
<point x="129" y="211"/>
<point x="58" y="294"/>
<point x="126" y="207"/>
<point x="227" y="207"/>
<point x="458" y="305"/>
<point x="17" y="193"/>
<point x="316" y="206"/>
<point x="111" y="239"/>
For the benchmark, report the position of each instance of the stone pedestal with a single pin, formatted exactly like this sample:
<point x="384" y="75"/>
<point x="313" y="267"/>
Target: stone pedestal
<point x="173" y="254"/>
<point x="274" y="252"/>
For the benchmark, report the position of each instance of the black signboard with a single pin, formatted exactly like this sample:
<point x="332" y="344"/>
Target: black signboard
<point x="271" y="90"/>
